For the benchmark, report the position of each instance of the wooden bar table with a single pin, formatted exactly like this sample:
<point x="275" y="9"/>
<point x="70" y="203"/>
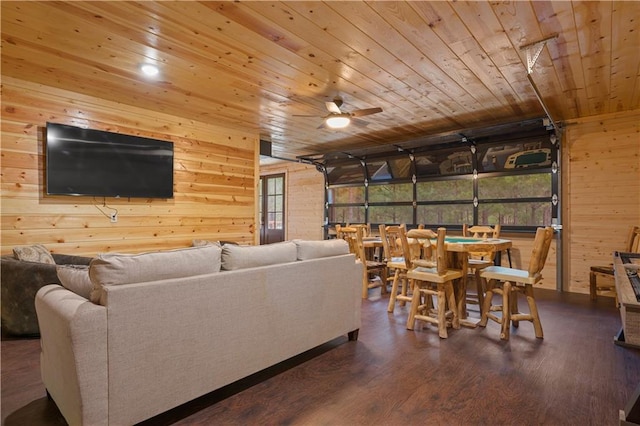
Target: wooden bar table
<point x="458" y="249"/>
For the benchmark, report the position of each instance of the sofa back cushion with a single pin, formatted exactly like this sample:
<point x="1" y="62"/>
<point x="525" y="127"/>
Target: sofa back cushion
<point x="241" y="257"/>
<point x="75" y="278"/>
<point x="110" y="269"/>
<point x="323" y="248"/>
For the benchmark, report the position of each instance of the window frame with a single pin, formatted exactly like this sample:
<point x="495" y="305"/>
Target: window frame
<point x="477" y="150"/>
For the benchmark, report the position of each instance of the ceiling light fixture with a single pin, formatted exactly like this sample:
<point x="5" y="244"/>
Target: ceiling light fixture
<point x="149" y="70"/>
<point x="338" y="121"/>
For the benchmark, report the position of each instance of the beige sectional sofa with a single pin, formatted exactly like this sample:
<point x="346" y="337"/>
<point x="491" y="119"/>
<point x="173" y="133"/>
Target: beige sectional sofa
<point x="167" y="327"/>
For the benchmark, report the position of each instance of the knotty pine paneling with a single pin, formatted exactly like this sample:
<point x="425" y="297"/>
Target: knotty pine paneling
<point x="602" y="191"/>
<point x="304" y="202"/>
<point x="215" y="172"/>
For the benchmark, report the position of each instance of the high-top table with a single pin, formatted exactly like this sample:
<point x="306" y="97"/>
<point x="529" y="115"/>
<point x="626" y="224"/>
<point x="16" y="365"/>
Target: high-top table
<point x="458" y="248"/>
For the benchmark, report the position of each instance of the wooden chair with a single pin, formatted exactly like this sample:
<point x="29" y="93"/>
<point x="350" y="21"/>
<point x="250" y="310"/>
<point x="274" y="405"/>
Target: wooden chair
<point x="509" y="281"/>
<point x="365" y="226"/>
<point x="432" y="281"/>
<point x="632" y="246"/>
<point x="481" y="231"/>
<point x="355" y="238"/>
<point x="394" y="256"/>
<point x="480" y="256"/>
<point x="371" y="252"/>
<point x="484" y="232"/>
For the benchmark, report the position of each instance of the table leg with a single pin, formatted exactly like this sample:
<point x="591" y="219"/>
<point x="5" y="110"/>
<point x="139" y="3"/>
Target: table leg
<point x="462" y="263"/>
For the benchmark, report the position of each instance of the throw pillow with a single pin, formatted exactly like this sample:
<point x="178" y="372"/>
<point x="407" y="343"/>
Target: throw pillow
<point x="240" y="257"/>
<point x="323" y="248"/>
<point x="109" y="269"/>
<point x="76" y="279"/>
<point x="33" y="253"/>
<point x="200" y="243"/>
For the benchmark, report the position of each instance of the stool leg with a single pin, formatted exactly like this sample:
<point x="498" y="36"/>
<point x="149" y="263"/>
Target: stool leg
<point x="394" y="292"/>
<point x="415" y="302"/>
<point x="383" y="276"/>
<point x="480" y="289"/>
<point x="506" y="293"/>
<point x="405" y="288"/>
<point x="442" y="311"/>
<point x="533" y="309"/>
<point x="451" y="299"/>
<point x="592" y="286"/>
<point x="484" y="316"/>
<point x="513" y="301"/>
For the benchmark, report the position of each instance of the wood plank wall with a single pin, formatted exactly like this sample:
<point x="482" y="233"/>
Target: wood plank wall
<point x="215" y="177"/>
<point x="602" y="191"/>
<point x="304" y="203"/>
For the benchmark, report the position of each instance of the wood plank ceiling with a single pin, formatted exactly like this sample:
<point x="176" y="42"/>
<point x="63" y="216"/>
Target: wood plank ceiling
<point x="431" y="66"/>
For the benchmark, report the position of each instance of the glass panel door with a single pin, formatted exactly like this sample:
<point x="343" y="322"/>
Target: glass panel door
<point x="272" y="196"/>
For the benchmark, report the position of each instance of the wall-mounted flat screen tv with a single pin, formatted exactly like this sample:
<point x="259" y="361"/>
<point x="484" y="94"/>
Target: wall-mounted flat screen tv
<point x="105" y="164"/>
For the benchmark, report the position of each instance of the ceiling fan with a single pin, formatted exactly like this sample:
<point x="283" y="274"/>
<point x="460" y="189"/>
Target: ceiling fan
<point x="337" y="119"/>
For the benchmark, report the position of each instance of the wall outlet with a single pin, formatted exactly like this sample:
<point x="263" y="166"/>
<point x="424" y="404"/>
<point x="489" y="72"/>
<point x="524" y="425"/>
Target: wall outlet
<point x="114" y="217"/>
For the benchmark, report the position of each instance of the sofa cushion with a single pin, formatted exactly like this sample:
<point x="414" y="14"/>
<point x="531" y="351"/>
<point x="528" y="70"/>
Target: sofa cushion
<point x="323" y="248"/>
<point x="240" y="257"/>
<point x="33" y="253"/>
<point x="115" y="269"/>
<point x="76" y="279"/>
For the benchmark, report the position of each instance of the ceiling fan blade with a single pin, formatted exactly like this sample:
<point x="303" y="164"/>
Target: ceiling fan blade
<point x="366" y="111"/>
<point x="304" y="115"/>
<point x="359" y="123"/>
<point x="333" y="107"/>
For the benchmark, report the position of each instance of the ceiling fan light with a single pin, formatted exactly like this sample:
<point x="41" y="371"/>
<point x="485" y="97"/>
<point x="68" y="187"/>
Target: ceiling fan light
<point x="338" y="121"/>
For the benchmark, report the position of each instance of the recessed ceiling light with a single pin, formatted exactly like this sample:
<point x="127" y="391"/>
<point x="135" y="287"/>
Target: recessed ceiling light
<point x="149" y="70"/>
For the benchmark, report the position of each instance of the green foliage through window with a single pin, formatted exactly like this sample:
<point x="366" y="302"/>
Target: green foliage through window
<point x="391" y="193"/>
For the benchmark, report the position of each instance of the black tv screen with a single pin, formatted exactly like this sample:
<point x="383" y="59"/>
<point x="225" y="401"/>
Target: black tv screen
<point x="93" y="162"/>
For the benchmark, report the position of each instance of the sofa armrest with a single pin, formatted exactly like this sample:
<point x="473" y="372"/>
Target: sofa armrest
<point x="20" y="281"/>
<point x="73" y="359"/>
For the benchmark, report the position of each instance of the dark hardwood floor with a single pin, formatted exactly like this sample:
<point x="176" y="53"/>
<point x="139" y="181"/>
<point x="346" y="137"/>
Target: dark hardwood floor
<point x="391" y="376"/>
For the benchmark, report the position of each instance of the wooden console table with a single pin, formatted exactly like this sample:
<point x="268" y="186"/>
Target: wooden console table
<point x="629" y="334"/>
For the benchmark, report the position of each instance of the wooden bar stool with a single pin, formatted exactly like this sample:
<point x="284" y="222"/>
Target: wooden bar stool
<point x="394" y="256"/>
<point x="632" y="246"/>
<point x="480" y="231"/>
<point x="509" y="281"/>
<point x="484" y="232"/>
<point x="355" y="238"/>
<point x="432" y="281"/>
<point x="480" y="256"/>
